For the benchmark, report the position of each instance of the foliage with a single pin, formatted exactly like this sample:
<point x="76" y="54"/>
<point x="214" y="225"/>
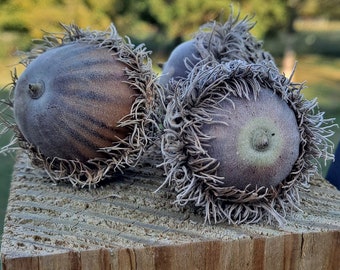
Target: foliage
<point x="163" y="23"/>
<point x="270" y="18"/>
<point x="30" y="16"/>
<point x="311" y="8"/>
<point x="171" y="18"/>
<point x="306" y="42"/>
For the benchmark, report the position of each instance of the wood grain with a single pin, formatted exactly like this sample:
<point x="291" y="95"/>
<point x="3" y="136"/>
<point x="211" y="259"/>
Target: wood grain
<point x="124" y="224"/>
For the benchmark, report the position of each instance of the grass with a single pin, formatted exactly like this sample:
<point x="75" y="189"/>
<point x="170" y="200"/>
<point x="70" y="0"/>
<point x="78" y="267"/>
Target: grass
<point x="6" y="165"/>
<point x="323" y="80"/>
<point x="6" y="168"/>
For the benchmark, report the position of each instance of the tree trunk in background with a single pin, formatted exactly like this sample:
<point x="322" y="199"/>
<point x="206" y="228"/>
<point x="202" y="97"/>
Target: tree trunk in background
<point x="289" y="57"/>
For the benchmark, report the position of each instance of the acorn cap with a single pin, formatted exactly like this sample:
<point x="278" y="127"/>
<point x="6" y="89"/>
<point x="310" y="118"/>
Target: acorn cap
<point x="222" y="42"/>
<point x="226" y="142"/>
<point x="231" y="40"/>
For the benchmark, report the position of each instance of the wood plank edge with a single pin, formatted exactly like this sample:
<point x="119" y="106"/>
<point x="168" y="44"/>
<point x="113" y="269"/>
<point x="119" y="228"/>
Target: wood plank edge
<point x="316" y="250"/>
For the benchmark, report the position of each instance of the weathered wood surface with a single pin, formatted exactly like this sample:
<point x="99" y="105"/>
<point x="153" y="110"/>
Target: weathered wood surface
<point x="125" y="225"/>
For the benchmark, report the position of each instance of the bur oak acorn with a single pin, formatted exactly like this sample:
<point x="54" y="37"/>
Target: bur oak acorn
<point x="178" y="64"/>
<point x="70" y="99"/>
<point x="86" y="104"/>
<point x="239" y="139"/>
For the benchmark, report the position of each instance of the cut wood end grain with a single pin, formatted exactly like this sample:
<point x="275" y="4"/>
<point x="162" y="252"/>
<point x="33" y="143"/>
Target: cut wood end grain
<point x="124" y="223"/>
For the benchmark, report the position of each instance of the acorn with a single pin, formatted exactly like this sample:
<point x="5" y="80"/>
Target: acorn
<point x="85" y="106"/>
<point x="65" y="107"/>
<point x="178" y="64"/>
<point x="240" y="140"/>
<point x="223" y="42"/>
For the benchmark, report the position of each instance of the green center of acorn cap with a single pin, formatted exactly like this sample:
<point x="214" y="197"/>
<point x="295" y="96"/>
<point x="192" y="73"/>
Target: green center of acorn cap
<point x="259" y="143"/>
<point x="260" y="140"/>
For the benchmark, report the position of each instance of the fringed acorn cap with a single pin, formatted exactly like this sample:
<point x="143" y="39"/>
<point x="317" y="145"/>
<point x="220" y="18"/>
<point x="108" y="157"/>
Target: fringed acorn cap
<point x="223" y="42"/>
<point x="86" y="104"/>
<point x="230" y="41"/>
<point x="239" y="140"/>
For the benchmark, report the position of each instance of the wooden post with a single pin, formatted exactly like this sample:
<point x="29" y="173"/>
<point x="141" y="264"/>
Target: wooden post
<point x="123" y="224"/>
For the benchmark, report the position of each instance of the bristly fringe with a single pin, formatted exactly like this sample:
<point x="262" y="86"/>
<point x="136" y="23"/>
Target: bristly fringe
<point x="191" y="171"/>
<point x="230" y="41"/>
<point x="227" y="42"/>
<point x="142" y="120"/>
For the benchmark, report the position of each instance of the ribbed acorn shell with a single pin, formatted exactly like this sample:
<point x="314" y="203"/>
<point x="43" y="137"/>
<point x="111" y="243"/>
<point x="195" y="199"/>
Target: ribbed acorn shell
<point x="83" y="98"/>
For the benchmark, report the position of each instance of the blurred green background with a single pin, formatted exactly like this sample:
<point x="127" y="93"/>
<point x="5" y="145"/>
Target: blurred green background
<point x="304" y="30"/>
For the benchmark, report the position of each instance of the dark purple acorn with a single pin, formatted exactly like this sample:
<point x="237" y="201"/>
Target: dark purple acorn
<point x="259" y="143"/>
<point x="179" y="62"/>
<point x="69" y="101"/>
<point x="85" y="106"/>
